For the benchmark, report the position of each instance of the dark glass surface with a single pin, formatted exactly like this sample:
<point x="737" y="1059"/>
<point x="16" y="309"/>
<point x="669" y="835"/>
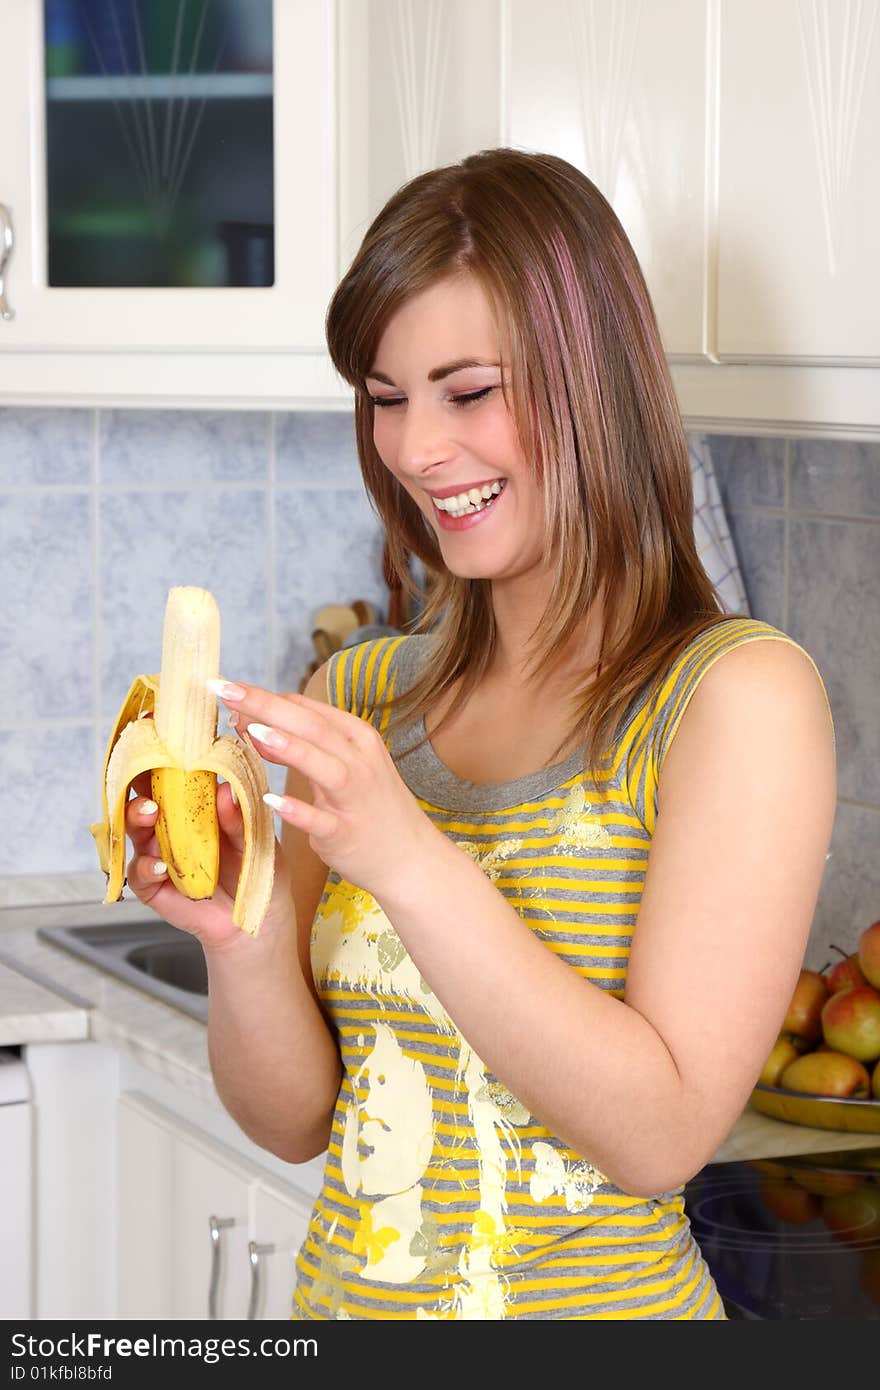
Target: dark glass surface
<point x="159" y="143"/>
<point x="793" y="1239"/>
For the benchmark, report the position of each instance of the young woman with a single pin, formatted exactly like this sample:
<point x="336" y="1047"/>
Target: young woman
<point x="575" y="822"/>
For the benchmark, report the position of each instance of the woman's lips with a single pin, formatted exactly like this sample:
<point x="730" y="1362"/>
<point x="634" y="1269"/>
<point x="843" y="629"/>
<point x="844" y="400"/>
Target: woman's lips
<point x="464" y="523"/>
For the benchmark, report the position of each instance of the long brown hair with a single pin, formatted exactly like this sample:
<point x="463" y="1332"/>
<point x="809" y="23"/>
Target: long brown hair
<point x="594" y="409"/>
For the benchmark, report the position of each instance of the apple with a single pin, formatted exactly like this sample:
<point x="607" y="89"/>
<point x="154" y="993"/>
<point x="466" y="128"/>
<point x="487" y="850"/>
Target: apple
<point x="875" y="1081"/>
<point x="804" y="1016"/>
<point x="789" y="1201"/>
<point x="827" y="1182"/>
<point x="853" y="1216"/>
<point x="846" y="972"/>
<point x="782" y="1052"/>
<point x="827" y="1074"/>
<point x="851" y="1022"/>
<point x="869" y="953"/>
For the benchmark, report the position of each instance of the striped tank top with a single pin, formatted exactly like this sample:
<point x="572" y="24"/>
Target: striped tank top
<point x="442" y="1196"/>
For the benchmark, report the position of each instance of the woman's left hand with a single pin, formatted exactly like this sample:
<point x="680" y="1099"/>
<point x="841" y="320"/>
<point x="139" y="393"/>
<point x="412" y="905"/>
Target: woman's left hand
<point x="365" y="822"/>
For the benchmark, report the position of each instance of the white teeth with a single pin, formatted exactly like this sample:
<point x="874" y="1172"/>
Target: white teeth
<point x="472" y="501"/>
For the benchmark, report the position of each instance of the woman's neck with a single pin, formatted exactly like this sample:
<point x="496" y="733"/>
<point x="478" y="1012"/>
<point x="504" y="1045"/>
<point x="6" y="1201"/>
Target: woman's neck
<point x="516" y="616"/>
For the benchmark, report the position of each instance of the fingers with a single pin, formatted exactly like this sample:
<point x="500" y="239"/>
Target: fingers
<point x="145" y="875"/>
<point x="140" y="822"/>
<point x="334" y="729"/>
<point x="230" y="817"/>
<point x="323" y="769"/>
<point x="314" y="820"/>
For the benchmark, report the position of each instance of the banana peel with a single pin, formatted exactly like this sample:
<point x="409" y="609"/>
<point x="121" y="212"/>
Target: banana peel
<point x="167" y="725"/>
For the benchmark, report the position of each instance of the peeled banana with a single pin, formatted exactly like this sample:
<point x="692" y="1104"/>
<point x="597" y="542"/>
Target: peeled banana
<point x="168" y="725"/>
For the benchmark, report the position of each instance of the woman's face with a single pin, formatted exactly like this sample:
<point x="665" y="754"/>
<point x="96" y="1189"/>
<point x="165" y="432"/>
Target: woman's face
<point x="438" y="443"/>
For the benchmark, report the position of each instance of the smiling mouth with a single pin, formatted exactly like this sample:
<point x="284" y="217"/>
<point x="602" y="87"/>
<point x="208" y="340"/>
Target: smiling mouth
<point x="475" y="500"/>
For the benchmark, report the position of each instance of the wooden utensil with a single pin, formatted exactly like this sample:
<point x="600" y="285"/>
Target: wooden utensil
<point x="337" y="620"/>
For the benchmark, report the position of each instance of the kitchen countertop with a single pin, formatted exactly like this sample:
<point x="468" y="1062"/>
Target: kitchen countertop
<point x="107" y="1010"/>
<point x="46" y="993"/>
<point x="32" y="1012"/>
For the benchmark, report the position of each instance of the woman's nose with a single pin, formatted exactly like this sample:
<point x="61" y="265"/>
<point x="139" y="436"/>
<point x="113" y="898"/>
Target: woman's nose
<point x="424" y="438"/>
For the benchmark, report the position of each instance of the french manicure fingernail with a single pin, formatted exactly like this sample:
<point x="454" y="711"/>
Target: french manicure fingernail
<point x="232" y="794"/>
<point x="272" y="800"/>
<point x="148" y="807"/>
<point x="159" y="867"/>
<point x="270" y="737"/>
<point x="225" y="689"/>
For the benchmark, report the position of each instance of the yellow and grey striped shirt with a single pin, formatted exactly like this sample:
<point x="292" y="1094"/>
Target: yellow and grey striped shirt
<point x="443" y="1197"/>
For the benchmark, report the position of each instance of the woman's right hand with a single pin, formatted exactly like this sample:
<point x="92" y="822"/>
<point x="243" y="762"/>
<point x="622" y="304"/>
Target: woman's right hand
<point x="208" y="919"/>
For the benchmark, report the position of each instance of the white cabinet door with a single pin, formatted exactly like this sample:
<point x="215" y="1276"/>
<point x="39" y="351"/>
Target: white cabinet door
<point x="618" y="89"/>
<point x="183" y="1219"/>
<point x="280" y="1223"/>
<point x="419" y="86"/>
<point x="799" y="193"/>
<point x="285" y="315"/>
<point x="210" y="1229"/>
<point x="144" y="1185"/>
<point x="201" y="1232"/>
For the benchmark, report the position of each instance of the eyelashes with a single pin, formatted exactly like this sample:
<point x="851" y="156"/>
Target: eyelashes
<point x="385" y="403"/>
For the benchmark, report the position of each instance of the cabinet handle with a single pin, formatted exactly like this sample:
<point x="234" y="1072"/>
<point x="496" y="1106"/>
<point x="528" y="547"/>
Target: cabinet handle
<point x="6" y="244"/>
<point x="218" y="1225"/>
<point x="254" y="1253"/>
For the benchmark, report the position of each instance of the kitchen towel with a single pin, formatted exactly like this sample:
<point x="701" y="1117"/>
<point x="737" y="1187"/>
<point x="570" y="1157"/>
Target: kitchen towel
<point x="712" y="533"/>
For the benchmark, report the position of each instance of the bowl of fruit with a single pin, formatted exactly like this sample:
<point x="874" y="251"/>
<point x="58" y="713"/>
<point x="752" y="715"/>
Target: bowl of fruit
<point x="824" y="1068"/>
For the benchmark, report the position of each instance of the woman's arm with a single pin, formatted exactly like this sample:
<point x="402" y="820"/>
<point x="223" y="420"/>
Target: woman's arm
<point x="648" y="1088"/>
<point x="273" y="1057"/>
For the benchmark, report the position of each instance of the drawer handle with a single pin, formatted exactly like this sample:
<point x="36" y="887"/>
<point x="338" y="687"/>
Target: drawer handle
<point x="7" y="240"/>
<point x="218" y="1225"/>
<point x="254" y="1253"/>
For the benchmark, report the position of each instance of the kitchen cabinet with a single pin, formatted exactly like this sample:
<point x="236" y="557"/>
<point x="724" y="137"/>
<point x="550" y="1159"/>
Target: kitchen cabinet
<point x="420" y="84"/>
<point x="798" y="194"/>
<point x="201" y="1233"/>
<point x="618" y="90"/>
<point x="735" y="142"/>
<point x="91" y="315"/>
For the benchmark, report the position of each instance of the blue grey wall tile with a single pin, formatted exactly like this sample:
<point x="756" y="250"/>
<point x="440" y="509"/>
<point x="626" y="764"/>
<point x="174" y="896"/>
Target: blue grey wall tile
<point x="759" y="541"/>
<point x="329" y="550"/>
<point x="47" y="613"/>
<point x="45" y="446"/>
<point x="849" y="896"/>
<point x="839" y="477"/>
<point x="316" y="448"/>
<point x="151" y="541"/>
<point x="750" y="472"/>
<point x="182" y="446"/>
<point x="46" y="800"/>
<point x="834" y="588"/>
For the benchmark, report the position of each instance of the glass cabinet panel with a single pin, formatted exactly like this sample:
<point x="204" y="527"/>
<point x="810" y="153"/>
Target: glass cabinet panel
<point x="159" y="143"/>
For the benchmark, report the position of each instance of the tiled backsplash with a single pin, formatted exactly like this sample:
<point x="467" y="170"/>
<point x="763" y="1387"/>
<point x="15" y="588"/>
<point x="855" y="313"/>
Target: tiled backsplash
<point x="102" y="510"/>
<point x="804" y="514"/>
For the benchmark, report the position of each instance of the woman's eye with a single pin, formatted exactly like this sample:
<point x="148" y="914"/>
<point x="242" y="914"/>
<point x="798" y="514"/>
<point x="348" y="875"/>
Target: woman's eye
<point x="473" y="396"/>
<point x="384" y="402"/>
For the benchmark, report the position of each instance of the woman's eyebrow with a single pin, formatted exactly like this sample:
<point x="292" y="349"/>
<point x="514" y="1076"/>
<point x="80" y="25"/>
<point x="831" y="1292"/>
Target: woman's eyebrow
<point x="437" y="373"/>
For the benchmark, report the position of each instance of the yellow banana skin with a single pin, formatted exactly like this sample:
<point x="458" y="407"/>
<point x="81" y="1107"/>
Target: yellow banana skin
<point x="167" y="726"/>
<point x="187" y="828"/>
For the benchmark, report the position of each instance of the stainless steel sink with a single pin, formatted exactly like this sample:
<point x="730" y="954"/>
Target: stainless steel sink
<point x="153" y="956"/>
